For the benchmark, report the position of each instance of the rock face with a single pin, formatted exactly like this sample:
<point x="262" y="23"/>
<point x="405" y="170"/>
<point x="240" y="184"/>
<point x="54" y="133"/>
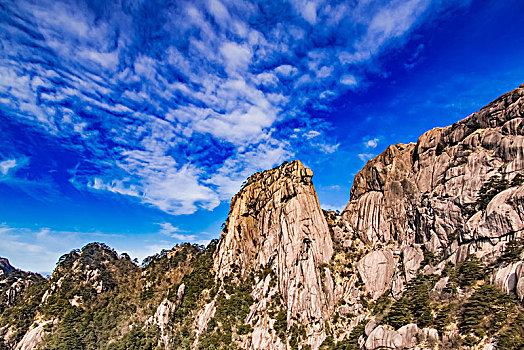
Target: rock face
<point x="409" y="334"/>
<point x="34" y="336"/>
<point x="276" y="222"/>
<point x="510" y="279"/>
<point x="376" y="270"/>
<point x="458" y="191"/>
<point x="161" y="319"/>
<point x="412" y="257"/>
<point x="5" y="267"/>
<point x="430" y="193"/>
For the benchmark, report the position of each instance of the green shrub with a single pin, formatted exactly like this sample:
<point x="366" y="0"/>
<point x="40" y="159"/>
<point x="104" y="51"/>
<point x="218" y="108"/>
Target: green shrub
<point x="490" y="189"/>
<point x="513" y="336"/>
<point x="399" y="314"/>
<point x="414" y="306"/>
<point x="470" y="271"/>
<point x="513" y="251"/>
<point x="485" y="311"/>
<point x="518" y="180"/>
<point x="280" y="325"/>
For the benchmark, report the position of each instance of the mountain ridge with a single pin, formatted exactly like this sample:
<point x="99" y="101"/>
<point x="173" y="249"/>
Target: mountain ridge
<point x="428" y="253"/>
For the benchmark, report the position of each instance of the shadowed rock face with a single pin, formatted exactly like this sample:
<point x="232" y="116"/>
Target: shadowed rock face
<point x="427" y="193"/>
<point x="276" y="222"/>
<point x="5" y="267"/>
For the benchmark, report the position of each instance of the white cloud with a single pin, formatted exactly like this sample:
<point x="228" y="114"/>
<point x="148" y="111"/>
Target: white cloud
<point x="219" y="11"/>
<point x="366" y="156"/>
<point x="389" y="22"/>
<point x="159" y="183"/>
<point x="310" y="12"/>
<point x="311" y="134"/>
<point x="9" y="166"/>
<point x="237" y="57"/>
<point x="372" y="143"/>
<point x="286" y="70"/>
<point x="324" y="72"/>
<point x="328" y="148"/>
<point x="169" y="230"/>
<point x="348" y="79"/>
<point x="238" y="126"/>
<point x="267" y="79"/>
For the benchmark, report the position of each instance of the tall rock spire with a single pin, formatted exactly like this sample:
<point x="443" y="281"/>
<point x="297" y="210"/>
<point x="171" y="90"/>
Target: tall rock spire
<point x="276" y="222"/>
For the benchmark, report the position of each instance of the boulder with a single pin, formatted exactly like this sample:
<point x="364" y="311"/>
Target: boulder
<point x="383" y="337"/>
<point x="519" y="290"/>
<point x="34" y="336"/>
<point x="376" y="270"/>
<point x="370" y="326"/>
<point x="506" y="278"/>
<point x="409" y="335"/>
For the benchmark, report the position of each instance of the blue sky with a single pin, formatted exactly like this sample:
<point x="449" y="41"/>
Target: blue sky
<point x="134" y="122"/>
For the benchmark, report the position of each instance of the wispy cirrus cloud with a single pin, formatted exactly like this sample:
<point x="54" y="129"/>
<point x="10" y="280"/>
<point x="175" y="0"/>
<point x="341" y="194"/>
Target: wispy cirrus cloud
<point x="366" y="156"/>
<point x="9" y="166"/>
<point x="176" y="103"/>
<point x="167" y="229"/>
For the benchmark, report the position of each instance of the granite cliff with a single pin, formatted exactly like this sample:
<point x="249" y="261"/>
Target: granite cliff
<point x="457" y="191"/>
<point x="427" y="254"/>
<point x="276" y="224"/>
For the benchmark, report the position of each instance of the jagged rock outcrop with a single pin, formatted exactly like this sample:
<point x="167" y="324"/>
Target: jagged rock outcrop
<point x="5" y="267"/>
<point x="163" y="314"/>
<point x="519" y="289"/>
<point x="409" y="334"/>
<point x="510" y="279"/>
<point x="162" y="318"/>
<point x="276" y="222"/>
<point x="428" y="192"/>
<point x="457" y="191"/>
<point x="412" y="257"/>
<point x="507" y="277"/>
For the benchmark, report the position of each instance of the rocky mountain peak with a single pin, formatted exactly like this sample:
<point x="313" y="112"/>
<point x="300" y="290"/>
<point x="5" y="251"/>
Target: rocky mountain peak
<point x="96" y="266"/>
<point x="276" y="224"/>
<point x="5" y="267"/>
<point x="249" y="239"/>
<point x="428" y="193"/>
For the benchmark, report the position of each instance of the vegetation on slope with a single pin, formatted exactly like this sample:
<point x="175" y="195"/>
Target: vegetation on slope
<point x="100" y="300"/>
